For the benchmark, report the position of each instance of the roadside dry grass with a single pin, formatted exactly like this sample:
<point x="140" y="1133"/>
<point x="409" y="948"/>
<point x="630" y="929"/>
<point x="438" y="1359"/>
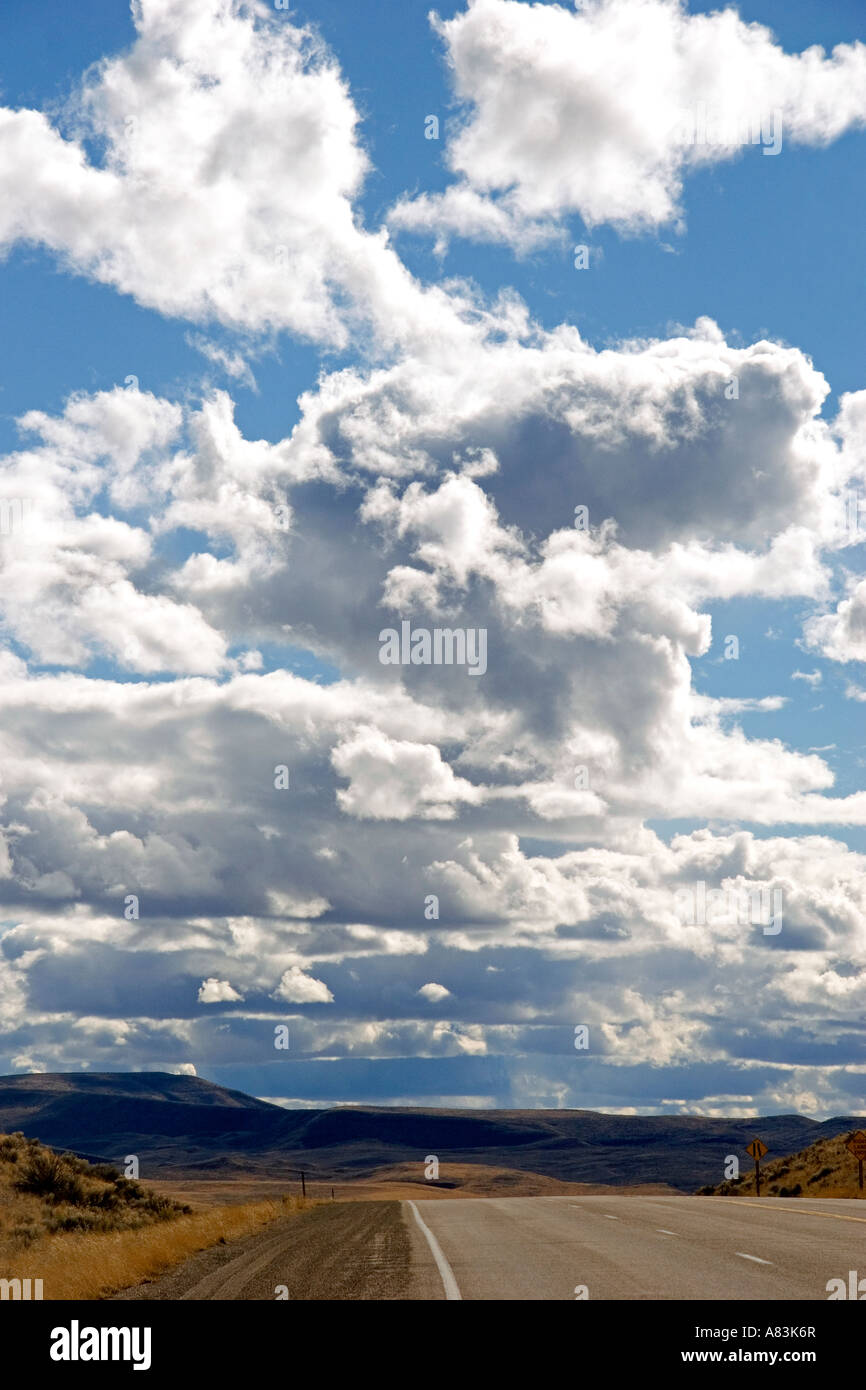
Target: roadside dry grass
<point x="86" y="1232"/>
<point x="825" y="1169"/>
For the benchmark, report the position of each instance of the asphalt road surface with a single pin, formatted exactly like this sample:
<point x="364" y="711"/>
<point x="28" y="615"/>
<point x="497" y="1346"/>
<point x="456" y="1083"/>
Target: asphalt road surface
<point x="650" y="1248"/>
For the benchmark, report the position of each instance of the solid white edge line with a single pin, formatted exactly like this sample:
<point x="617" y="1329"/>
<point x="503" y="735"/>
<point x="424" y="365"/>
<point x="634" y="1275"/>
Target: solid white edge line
<point x="449" y="1283"/>
<point x="756" y="1258"/>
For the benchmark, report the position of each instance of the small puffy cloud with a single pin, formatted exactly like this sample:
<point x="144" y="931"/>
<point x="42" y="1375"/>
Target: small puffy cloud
<point x="841" y="634"/>
<point x="296" y="987"/>
<point x="215" y="991"/>
<point x="434" y="993"/>
<point x="393" y="779"/>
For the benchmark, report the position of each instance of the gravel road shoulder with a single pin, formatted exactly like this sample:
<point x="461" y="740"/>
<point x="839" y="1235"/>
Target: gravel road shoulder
<point x="336" y="1251"/>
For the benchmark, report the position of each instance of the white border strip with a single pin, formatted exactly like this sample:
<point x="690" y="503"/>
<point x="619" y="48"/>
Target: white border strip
<point x="449" y="1283"/>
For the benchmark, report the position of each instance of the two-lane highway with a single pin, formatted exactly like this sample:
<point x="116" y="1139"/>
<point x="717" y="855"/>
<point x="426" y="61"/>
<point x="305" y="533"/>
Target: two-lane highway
<point x="542" y="1248"/>
<point x="635" y="1247"/>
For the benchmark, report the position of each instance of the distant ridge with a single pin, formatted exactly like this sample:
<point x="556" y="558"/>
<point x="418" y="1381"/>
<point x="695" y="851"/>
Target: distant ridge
<point x="184" y="1125"/>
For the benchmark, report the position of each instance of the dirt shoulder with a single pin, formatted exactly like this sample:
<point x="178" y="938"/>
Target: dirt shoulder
<point x="336" y="1251"/>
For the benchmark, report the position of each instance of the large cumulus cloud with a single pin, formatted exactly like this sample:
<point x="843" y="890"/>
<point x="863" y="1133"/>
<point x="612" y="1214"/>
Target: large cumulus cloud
<point x="220" y="808"/>
<point x="604" y="109"/>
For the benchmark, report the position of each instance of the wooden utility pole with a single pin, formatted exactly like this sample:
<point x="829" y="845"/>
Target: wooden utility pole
<point x="302" y="1175"/>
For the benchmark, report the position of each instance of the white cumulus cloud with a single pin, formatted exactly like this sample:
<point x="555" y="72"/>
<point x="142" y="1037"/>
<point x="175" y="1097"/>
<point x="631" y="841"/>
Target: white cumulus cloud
<point x="604" y="109"/>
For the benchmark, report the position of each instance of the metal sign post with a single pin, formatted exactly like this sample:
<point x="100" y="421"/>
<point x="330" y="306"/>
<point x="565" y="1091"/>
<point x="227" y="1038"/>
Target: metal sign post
<point x="856" y="1145"/>
<point x="757" y="1149"/>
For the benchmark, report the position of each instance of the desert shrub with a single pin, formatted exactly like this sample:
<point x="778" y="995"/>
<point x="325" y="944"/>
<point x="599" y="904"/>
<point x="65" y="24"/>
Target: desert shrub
<point x="129" y="1189"/>
<point x="76" y="1219"/>
<point x="79" y="1197"/>
<point x="105" y="1198"/>
<point x="824" y="1173"/>
<point x="25" y="1233"/>
<point x="76" y="1164"/>
<point x="158" y="1208"/>
<point x="106" y="1171"/>
<point x="48" y="1175"/>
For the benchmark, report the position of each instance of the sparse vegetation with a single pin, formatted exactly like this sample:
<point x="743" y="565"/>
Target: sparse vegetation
<point x="74" y="1195"/>
<point x="87" y="1231"/>
<point x="825" y="1169"/>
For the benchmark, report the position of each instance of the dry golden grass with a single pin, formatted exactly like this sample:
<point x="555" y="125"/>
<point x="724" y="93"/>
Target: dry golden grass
<point x="203" y="1194"/>
<point x="87" y="1232"/>
<point x="94" y="1266"/>
<point x="825" y="1169"/>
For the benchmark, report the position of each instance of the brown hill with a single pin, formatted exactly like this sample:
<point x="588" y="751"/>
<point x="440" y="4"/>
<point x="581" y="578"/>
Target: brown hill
<point x="484" y="1180"/>
<point x="824" y="1169"/>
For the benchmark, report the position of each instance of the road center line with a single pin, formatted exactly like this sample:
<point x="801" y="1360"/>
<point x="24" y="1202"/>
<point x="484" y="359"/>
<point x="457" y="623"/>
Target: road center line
<point x="801" y="1211"/>
<point x="449" y="1283"/>
<point x="756" y="1258"/>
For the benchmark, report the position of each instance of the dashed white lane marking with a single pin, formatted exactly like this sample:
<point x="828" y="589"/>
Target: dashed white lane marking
<point x="609" y="1218"/>
<point x="662" y="1232"/>
<point x="757" y="1259"/>
<point x="449" y="1283"/>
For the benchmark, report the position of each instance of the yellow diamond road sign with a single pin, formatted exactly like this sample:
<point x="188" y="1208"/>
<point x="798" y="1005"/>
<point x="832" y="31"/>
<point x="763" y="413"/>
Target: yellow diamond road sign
<point x="857" y="1144"/>
<point x="757" y="1149"/>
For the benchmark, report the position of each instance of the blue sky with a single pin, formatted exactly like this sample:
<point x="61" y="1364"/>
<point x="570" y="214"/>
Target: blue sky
<point x="767" y="248"/>
<point x="760" y="256"/>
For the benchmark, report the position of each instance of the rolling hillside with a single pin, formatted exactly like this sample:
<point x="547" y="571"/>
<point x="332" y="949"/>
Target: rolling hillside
<point x="181" y="1125"/>
<point x="824" y="1169"/>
